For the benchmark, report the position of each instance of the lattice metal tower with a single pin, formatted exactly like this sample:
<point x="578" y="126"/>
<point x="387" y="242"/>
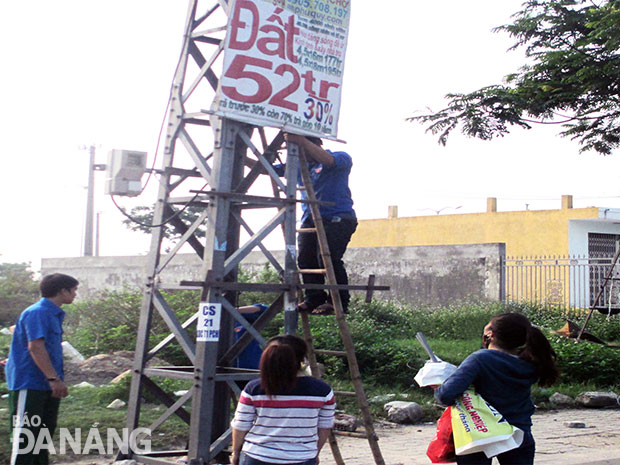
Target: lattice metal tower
<point x="225" y="183"/>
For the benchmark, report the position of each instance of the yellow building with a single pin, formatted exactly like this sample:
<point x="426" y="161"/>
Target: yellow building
<point x="566" y="231"/>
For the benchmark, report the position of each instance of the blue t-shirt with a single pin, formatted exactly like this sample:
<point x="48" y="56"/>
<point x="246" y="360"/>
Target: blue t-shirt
<point x="502" y="379"/>
<point x="41" y="320"/>
<point x="331" y="184"/>
<point x="250" y="357"/>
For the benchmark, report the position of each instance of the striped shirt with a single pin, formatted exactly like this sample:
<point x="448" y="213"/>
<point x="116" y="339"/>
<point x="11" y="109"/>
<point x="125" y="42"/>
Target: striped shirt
<point x="284" y="428"/>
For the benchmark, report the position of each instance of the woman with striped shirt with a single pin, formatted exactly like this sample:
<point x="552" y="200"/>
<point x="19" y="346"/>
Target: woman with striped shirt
<point x="283" y="417"/>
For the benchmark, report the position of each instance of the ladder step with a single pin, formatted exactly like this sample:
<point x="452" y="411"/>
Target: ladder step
<point x="339" y="353"/>
<point x="306" y="230"/>
<point x="344" y="393"/>
<point x="351" y="434"/>
<point x="313" y="271"/>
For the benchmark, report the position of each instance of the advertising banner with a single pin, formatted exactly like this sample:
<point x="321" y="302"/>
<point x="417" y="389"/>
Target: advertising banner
<point x="283" y="64"/>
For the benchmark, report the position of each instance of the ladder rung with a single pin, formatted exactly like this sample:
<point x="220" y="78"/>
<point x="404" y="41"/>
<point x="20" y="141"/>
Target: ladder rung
<point x="340" y="353"/>
<point x="306" y="230"/>
<point x="313" y="271"/>
<point x="344" y="393"/>
<point x="351" y="434"/>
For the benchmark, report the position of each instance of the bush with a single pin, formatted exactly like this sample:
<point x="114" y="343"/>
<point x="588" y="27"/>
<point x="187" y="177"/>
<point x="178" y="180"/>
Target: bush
<point x="583" y="362"/>
<point x="553" y="318"/>
<point x="383" y="333"/>
<point x="388" y="353"/>
<point x="109" y="323"/>
<point x="105" y="323"/>
<point x="384" y="338"/>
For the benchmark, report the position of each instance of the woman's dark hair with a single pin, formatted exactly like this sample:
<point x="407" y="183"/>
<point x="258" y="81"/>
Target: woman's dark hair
<point x="298" y="345"/>
<point x="513" y="331"/>
<point x="278" y="368"/>
<point x="54" y="283"/>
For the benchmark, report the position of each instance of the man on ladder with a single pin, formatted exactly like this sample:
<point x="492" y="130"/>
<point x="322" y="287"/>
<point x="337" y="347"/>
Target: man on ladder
<point x="329" y="172"/>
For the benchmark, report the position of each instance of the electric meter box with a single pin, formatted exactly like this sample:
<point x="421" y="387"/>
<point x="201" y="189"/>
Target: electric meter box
<point x="124" y="172"/>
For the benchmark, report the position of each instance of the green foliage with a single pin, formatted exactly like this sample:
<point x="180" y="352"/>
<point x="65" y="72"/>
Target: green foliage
<point x="141" y="219"/>
<point x="583" y="362"/>
<point x="383" y="333"/>
<point x="18" y="290"/>
<point x="104" y="324"/>
<point x="106" y="394"/>
<point x="267" y="275"/>
<point x="572" y="75"/>
<point x="553" y="318"/>
<point x="388" y="353"/>
<point x="384" y="338"/>
<point x="109" y="322"/>
<point x="5" y="344"/>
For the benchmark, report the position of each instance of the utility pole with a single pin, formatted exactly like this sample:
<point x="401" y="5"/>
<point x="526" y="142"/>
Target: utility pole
<point x="90" y="205"/>
<point x="97" y="223"/>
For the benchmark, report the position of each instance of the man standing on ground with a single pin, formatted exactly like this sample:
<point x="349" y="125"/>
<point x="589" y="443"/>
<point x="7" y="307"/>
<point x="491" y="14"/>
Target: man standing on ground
<point x="329" y="172"/>
<point x="34" y="370"/>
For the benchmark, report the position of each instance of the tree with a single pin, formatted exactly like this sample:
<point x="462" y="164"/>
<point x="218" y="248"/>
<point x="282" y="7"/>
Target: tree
<point x="18" y="290"/>
<point x="572" y="79"/>
<point x="141" y="218"/>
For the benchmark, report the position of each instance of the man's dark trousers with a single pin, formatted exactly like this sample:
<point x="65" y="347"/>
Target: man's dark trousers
<point x="338" y="231"/>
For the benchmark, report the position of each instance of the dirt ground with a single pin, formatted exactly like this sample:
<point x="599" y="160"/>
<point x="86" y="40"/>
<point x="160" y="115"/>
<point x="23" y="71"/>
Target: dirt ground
<point x="596" y="444"/>
<point x="103" y="368"/>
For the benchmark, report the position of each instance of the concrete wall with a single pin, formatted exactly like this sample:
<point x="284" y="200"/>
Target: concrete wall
<point x="525" y="233"/>
<point x="434" y="274"/>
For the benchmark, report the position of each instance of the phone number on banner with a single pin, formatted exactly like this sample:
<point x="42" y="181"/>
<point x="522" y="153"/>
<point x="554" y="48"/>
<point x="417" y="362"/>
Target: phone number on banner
<point x="339" y="8"/>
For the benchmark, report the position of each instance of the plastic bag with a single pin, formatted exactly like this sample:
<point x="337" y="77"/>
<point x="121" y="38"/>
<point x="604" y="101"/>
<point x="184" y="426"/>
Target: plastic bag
<point x="441" y="447"/>
<point x="478" y="427"/>
<point x="433" y="373"/>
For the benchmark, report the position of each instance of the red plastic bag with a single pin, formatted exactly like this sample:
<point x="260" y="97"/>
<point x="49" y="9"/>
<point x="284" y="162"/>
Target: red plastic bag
<point x="441" y="448"/>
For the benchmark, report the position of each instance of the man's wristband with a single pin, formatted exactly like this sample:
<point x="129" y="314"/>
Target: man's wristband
<point x="55" y="378"/>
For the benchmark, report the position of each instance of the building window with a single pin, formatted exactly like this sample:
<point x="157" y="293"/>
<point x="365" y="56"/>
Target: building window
<point x="601" y="249"/>
<point x="602" y="245"/>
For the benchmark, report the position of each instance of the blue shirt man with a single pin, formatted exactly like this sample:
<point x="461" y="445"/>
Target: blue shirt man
<point x="329" y="173"/>
<point x="34" y="371"/>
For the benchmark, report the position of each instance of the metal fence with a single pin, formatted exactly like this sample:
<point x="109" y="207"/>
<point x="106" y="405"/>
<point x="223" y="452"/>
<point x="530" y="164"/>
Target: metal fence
<point x="571" y="282"/>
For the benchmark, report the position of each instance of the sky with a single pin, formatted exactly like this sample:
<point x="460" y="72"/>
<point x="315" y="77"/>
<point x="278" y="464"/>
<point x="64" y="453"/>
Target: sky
<point x="77" y="73"/>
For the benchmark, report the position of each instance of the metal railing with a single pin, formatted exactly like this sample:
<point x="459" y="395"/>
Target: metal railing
<point x="570" y="282"/>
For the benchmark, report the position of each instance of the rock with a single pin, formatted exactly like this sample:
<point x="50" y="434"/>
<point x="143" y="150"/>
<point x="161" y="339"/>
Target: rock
<point x="5" y="331"/>
<point x="181" y="393"/>
<point x="4" y="396"/>
<point x="595" y="399"/>
<point x="403" y="412"/>
<point x="121" y="377"/>
<point x="116" y="404"/>
<point x="84" y="384"/>
<point x="70" y="352"/>
<point x="344" y="422"/>
<point x="574" y="424"/>
<point x="561" y="399"/>
<point x="381" y="399"/>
